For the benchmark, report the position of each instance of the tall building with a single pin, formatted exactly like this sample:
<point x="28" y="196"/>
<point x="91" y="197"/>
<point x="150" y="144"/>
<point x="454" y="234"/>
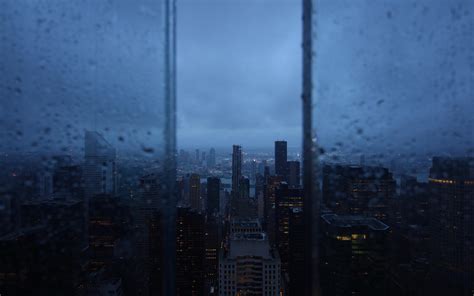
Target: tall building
<point x="253" y="171"/>
<point x="296" y="254"/>
<point x="244" y="187"/>
<point x="211" y="254"/>
<point x="195" y="192"/>
<point x="190" y="252"/>
<point x="353" y="255"/>
<point x="281" y="158"/>
<point x="213" y="195"/>
<point x="269" y="221"/>
<point x="286" y="199"/>
<point x="147" y="208"/>
<point x="211" y="160"/>
<point x="249" y="266"/>
<point x="100" y="172"/>
<point x="355" y="190"/>
<point x="236" y="169"/>
<point x="294" y="174"/>
<point x="451" y="185"/>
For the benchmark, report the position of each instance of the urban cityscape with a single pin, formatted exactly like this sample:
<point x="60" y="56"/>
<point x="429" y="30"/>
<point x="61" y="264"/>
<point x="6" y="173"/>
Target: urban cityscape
<point x="237" y="148"/>
<point x="93" y="226"/>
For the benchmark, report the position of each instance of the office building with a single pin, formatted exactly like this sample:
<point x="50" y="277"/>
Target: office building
<point x="244" y="188"/>
<point x="249" y="267"/>
<point x="451" y="186"/>
<point x="294" y="174"/>
<point x="355" y="190"/>
<point x="212" y="241"/>
<point x="190" y="252"/>
<point x="195" y="192"/>
<point x="353" y="255"/>
<point x="269" y="221"/>
<point x="296" y="253"/>
<point x="213" y="195"/>
<point x="236" y="169"/>
<point x="281" y="159"/>
<point x="286" y="199"/>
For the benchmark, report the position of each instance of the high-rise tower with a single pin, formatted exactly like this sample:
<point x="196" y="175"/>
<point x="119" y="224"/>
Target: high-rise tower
<point x="236" y="169"/>
<point x="281" y="158"/>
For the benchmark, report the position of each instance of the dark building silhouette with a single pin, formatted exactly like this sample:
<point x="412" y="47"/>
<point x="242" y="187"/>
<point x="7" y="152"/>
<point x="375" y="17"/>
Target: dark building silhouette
<point x="211" y="254"/>
<point x="146" y="207"/>
<point x="452" y="190"/>
<point x="296" y="252"/>
<point x="281" y="159"/>
<point x="10" y="213"/>
<point x="353" y="255"/>
<point x="236" y="169"/>
<point x="45" y="255"/>
<point x="270" y="188"/>
<point x="190" y="252"/>
<point x="244" y="188"/>
<point x="294" y="172"/>
<point x="356" y="190"/>
<point x="286" y="199"/>
<point x="195" y="192"/>
<point x="155" y="228"/>
<point x="213" y="195"/>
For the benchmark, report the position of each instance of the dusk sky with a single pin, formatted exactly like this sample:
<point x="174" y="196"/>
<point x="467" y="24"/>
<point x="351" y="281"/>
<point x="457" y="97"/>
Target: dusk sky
<point x="387" y="75"/>
<point x="239" y="72"/>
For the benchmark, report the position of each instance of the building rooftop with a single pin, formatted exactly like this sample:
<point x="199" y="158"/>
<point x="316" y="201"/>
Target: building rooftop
<point x="253" y="244"/>
<point x="246" y="223"/>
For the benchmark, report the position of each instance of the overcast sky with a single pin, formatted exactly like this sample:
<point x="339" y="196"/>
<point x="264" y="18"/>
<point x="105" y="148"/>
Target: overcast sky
<point x="389" y="75"/>
<point x="239" y="72"/>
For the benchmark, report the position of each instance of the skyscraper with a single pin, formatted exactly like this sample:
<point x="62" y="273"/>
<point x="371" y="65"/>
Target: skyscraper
<point x="253" y="172"/>
<point x="211" y="254"/>
<point x="294" y="174"/>
<point x="296" y="254"/>
<point x="213" y="195"/>
<point x="353" y="255"/>
<point x="99" y="166"/>
<point x="236" y="169"/>
<point x="271" y="185"/>
<point x="190" y="252"/>
<point x="195" y="192"/>
<point x="244" y="188"/>
<point x="281" y="159"/>
<point x="452" y="212"/>
<point x="146" y="214"/>
<point x="286" y="199"/>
